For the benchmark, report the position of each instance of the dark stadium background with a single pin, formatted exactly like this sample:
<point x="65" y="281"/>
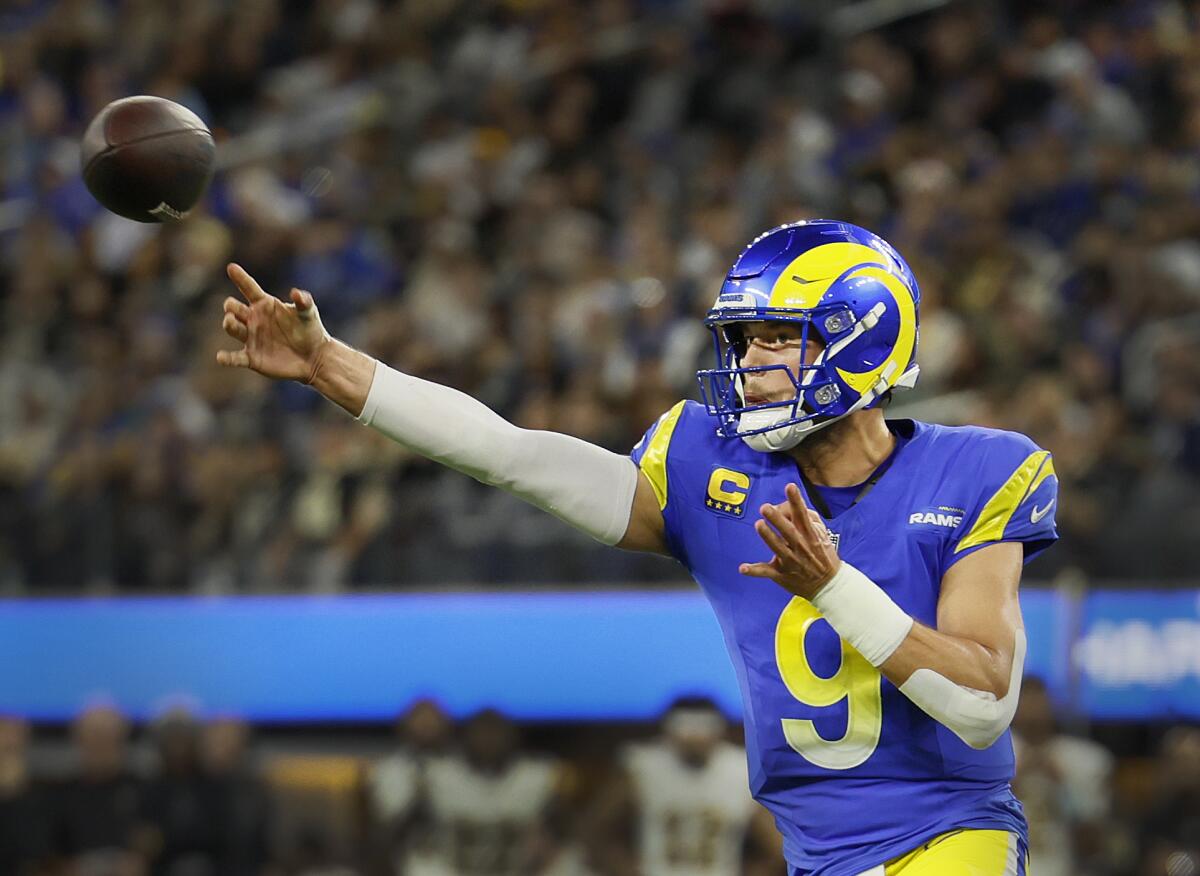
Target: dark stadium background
<point x="535" y="201"/>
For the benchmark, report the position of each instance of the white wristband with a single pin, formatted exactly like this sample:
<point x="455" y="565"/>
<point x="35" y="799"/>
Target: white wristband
<point x="862" y="614"/>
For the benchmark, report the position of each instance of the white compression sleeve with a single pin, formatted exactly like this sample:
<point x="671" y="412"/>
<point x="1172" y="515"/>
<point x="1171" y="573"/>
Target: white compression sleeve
<point x="866" y="617"/>
<point x="976" y="717"/>
<point x="587" y="486"/>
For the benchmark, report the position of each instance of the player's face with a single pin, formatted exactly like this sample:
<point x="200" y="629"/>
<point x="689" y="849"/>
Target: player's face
<point x="694" y="749"/>
<point x="224" y="743"/>
<point x="100" y="736"/>
<point x="490" y="740"/>
<point x="775" y="343"/>
<point x="694" y="734"/>
<point x="425" y="726"/>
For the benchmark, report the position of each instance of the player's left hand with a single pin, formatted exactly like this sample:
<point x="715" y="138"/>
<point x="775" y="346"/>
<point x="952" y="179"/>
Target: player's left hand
<point x="804" y="556"/>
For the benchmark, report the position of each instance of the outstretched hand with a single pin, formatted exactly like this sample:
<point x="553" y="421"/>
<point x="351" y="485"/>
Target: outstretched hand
<point x="804" y="555"/>
<point x="279" y="339"/>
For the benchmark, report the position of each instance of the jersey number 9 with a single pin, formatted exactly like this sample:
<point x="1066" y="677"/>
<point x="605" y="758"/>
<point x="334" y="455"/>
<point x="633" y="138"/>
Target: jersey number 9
<point x="856" y="681"/>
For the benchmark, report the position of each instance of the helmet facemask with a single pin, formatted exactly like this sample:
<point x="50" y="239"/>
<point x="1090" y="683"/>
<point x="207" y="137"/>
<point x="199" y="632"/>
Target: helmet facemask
<point x="818" y="401"/>
<point x="841" y="285"/>
<point x="724" y="393"/>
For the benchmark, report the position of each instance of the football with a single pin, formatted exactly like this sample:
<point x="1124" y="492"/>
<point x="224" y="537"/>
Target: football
<point x="147" y="158"/>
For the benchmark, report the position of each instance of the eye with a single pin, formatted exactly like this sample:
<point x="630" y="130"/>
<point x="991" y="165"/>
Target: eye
<point x="780" y="338"/>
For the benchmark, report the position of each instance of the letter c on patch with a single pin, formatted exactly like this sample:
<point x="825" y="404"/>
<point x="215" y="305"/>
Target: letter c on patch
<point x="720" y="481"/>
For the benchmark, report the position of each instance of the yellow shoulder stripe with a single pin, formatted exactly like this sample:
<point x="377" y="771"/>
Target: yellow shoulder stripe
<point x="654" y="460"/>
<point x="994" y="517"/>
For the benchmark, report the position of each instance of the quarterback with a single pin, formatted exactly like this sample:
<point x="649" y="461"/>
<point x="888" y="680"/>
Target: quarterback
<point x="879" y="661"/>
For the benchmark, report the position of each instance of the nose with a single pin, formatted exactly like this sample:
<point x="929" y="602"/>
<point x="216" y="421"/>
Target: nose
<point x="755" y="384"/>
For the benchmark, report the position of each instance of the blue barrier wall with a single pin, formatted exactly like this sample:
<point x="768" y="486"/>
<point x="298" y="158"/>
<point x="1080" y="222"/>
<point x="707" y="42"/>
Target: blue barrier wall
<point x="539" y="656"/>
<point x="361" y="658"/>
<point x="1138" y="655"/>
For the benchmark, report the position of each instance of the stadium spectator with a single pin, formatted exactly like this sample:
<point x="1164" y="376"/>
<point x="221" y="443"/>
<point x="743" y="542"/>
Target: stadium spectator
<point x="488" y="810"/>
<point x="242" y="806"/>
<point x="532" y="202"/>
<point x="182" y="829"/>
<point x="1065" y="784"/>
<point x="313" y="855"/>
<point x="1171" y="831"/>
<point x="678" y="804"/>
<point x="96" y="808"/>
<point x="25" y="827"/>
<point x="395" y="784"/>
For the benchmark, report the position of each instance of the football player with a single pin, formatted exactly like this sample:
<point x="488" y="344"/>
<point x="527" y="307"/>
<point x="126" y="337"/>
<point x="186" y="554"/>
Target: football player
<point x="395" y="782"/>
<point x="880" y="675"/>
<point x="487" y="808"/>
<point x="679" y="805"/>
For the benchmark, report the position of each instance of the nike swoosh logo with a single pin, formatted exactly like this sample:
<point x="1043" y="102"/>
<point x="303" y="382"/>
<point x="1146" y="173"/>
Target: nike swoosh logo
<point x="1039" y="513"/>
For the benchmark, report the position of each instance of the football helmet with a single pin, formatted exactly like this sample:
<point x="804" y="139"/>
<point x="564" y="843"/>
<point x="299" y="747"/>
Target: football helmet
<point x="834" y="279"/>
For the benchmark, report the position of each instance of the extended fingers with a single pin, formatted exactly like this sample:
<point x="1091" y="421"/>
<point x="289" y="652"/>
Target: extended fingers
<point x="246" y="284"/>
<point x="776" y="542"/>
<point x="235" y="328"/>
<point x="760" y="570"/>
<point x="305" y="306"/>
<point x="234" y="358"/>
<point x="786" y="527"/>
<point x="800" y="511"/>
<point x="237" y="308"/>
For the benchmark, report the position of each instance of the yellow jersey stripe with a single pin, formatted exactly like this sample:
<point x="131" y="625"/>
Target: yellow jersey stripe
<point x="994" y="517"/>
<point x="654" y="460"/>
<point x="1047" y="470"/>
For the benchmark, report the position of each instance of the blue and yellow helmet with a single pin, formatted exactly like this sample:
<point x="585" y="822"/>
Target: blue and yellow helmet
<point x="839" y="281"/>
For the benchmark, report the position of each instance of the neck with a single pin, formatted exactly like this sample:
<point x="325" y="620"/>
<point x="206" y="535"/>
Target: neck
<point x="847" y="452"/>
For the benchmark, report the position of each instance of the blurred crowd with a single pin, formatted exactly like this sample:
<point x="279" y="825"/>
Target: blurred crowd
<point x="535" y="201"/>
<point x="477" y="799"/>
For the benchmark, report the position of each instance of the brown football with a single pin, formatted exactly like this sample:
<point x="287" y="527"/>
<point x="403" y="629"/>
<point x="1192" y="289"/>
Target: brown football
<point x="147" y="158"/>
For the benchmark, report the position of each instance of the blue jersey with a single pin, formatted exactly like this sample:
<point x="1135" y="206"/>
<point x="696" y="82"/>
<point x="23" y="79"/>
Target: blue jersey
<point x="854" y="773"/>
